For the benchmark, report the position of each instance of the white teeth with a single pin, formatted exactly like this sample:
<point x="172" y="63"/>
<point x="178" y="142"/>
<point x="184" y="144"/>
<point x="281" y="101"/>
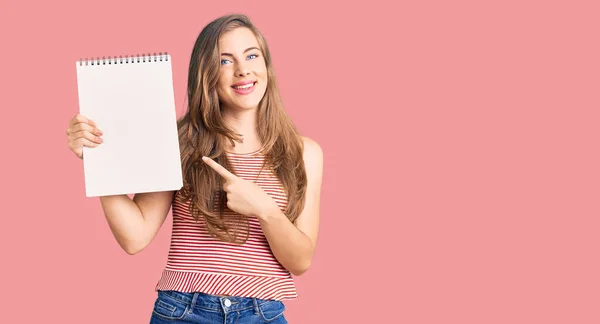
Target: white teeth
<point x="246" y="86"/>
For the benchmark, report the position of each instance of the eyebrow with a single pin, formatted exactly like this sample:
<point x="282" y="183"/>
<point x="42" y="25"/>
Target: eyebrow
<point x="247" y="49"/>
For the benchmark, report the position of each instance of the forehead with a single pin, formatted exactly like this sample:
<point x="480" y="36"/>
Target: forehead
<point x="237" y="40"/>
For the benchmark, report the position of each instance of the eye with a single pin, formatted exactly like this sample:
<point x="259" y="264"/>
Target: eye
<point x="252" y="56"/>
<point x="224" y="61"/>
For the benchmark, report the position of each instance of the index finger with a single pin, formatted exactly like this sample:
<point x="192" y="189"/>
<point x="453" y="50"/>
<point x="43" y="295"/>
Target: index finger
<point x="219" y="168"/>
<point x="79" y="118"/>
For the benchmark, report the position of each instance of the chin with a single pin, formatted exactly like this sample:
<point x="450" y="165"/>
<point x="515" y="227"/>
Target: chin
<point x="248" y="104"/>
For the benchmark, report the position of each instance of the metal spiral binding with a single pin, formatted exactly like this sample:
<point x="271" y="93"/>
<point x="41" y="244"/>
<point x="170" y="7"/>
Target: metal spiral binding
<point x="127" y="59"/>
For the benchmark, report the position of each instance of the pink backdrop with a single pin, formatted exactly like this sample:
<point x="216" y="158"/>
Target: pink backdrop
<point x="461" y="157"/>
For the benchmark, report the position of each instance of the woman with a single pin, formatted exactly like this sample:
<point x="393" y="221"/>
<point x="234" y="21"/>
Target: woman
<point x="247" y="217"/>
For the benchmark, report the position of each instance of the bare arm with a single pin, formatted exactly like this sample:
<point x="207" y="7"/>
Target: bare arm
<point x="294" y="246"/>
<point x="135" y="222"/>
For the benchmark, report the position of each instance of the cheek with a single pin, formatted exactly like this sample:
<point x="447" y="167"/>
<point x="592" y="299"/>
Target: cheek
<point x="259" y="68"/>
<point x="220" y="89"/>
<point x="222" y="86"/>
<point x="263" y="76"/>
<point x="263" y="70"/>
<point x="224" y="77"/>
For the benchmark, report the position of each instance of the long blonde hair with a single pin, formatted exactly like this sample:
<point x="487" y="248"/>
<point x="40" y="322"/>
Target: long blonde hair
<point x="203" y="132"/>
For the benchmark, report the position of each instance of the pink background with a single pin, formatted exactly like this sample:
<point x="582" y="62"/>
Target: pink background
<point x="461" y="157"/>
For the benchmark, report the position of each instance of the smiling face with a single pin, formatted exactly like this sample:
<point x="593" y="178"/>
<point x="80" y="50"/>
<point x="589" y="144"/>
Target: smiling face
<point x="243" y="71"/>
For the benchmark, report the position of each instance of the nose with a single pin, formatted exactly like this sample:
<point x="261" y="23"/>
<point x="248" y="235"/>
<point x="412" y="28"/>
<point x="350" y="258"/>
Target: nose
<point x="242" y="69"/>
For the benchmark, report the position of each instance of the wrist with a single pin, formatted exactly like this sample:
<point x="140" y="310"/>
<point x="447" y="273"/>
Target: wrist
<point x="270" y="214"/>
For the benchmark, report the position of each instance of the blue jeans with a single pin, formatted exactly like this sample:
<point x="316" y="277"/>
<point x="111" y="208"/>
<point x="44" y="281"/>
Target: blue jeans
<point x="175" y="307"/>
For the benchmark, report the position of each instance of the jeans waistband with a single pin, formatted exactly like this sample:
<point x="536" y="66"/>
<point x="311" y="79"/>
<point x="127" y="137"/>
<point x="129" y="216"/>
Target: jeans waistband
<point x="211" y="302"/>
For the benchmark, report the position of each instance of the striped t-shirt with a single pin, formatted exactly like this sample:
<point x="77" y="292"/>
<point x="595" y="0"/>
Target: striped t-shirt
<point x="197" y="262"/>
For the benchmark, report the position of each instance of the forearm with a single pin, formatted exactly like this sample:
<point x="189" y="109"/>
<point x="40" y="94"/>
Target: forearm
<point x="290" y="246"/>
<point x="125" y="221"/>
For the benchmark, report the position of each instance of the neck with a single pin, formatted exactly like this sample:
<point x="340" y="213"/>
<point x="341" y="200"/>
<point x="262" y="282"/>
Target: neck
<point x="243" y="122"/>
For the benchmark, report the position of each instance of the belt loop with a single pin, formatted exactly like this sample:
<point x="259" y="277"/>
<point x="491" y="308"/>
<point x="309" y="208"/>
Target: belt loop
<point x="255" y="302"/>
<point x="194" y="299"/>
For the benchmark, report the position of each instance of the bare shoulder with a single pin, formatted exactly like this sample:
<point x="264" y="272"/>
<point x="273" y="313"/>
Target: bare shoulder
<point x="313" y="156"/>
<point x="312" y="150"/>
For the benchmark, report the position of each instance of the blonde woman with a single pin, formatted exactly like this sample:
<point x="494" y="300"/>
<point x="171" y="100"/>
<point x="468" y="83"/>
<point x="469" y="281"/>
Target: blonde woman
<point x="247" y="217"/>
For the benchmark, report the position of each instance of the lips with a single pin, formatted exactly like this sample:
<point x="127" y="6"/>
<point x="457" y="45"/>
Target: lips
<point x="244" y="87"/>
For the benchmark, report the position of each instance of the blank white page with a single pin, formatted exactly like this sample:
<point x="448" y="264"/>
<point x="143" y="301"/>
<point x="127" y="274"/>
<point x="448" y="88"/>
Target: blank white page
<point x="134" y="106"/>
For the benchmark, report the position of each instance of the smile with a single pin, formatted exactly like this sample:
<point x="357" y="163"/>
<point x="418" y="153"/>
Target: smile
<point x="244" y="88"/>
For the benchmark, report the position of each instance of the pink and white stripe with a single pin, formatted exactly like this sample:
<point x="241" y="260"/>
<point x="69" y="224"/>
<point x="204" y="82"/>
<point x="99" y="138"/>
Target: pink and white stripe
<point x="197" y="262"/>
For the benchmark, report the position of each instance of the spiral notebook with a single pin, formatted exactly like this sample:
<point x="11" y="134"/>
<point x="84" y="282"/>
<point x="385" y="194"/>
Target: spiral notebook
<point x="131" y="100"/>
